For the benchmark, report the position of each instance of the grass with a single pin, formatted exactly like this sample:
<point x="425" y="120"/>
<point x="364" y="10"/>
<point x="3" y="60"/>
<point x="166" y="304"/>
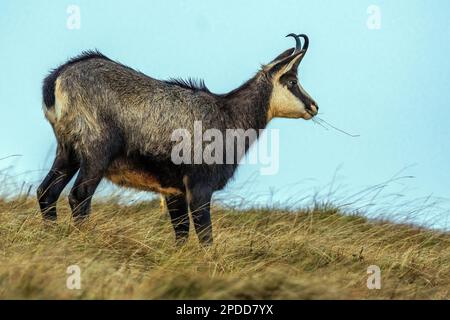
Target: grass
<point x="128" y="252"/>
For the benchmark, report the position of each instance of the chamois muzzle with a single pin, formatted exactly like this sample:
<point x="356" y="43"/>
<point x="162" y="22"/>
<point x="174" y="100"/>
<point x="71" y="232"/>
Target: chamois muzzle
<point x="298" y="43"/>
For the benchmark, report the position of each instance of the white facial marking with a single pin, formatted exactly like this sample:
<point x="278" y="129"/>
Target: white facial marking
<point x="284" y="104"/>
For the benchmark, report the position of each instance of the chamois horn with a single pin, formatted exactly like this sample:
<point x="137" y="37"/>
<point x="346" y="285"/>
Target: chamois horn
<point x="298" y="44"/>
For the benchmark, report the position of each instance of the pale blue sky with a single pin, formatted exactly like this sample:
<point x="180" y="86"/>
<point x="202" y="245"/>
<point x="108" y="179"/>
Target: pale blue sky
<point x="391" y="85"/>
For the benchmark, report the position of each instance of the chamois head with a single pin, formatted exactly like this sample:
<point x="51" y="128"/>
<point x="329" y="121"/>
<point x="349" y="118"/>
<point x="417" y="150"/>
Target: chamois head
<point x="288" y="98"/>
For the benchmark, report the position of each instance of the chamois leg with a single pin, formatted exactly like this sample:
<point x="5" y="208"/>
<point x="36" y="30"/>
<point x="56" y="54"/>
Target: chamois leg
<point x="179" y="215"/>
<point x="162" y="204"/>
<point x="85" y="185"/>
<point x="63" y="169"/>
<point x="199" y="203"/>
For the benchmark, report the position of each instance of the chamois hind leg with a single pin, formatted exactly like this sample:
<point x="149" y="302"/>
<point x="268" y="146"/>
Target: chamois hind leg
<point x="199" y="198"/>
<point x="63" y="169"/>
<point x="92" y="170"/>
<point x="179" y="215"/>
<point x="85" y="185"/>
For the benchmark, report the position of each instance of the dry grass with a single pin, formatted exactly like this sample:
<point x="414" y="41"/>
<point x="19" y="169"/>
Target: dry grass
<point x="128" y="252"/>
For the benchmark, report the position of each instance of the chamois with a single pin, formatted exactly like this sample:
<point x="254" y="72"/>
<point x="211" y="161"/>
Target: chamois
<point x="113" y="122"/>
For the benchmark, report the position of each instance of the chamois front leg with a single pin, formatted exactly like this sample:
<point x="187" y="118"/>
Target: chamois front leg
<point x="199" y="199"/>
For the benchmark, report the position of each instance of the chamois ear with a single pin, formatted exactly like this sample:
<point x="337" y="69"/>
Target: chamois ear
<point x="287" y="64"/>
<point x="285" y="54"/>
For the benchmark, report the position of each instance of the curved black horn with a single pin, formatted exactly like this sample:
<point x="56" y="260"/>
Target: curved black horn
<point x="298" y="44"/>
<point x="306" y="44"/>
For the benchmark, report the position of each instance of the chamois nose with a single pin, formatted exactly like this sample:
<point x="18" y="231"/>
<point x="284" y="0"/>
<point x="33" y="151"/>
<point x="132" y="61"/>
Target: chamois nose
<point x="314" y="108"/>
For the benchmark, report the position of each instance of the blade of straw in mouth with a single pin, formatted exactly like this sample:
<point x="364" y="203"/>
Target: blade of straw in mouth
<point x="11" y="156"/>
<point x="319" y="123"/>
<point x="322" y="122"/>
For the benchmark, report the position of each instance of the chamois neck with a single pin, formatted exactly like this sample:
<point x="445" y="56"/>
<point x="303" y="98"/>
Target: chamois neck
<point x="249" y="103"/>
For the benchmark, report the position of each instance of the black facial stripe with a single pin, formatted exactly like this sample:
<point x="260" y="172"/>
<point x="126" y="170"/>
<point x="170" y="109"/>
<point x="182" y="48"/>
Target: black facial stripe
<point x="292" y="76"/>
<point x="303" y="98"/>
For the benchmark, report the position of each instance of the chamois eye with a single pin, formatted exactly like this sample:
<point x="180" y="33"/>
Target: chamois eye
<point x="292" y="83"/>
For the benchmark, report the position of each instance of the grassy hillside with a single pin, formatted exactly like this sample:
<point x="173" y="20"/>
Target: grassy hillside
<point x="128" y="252"/>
